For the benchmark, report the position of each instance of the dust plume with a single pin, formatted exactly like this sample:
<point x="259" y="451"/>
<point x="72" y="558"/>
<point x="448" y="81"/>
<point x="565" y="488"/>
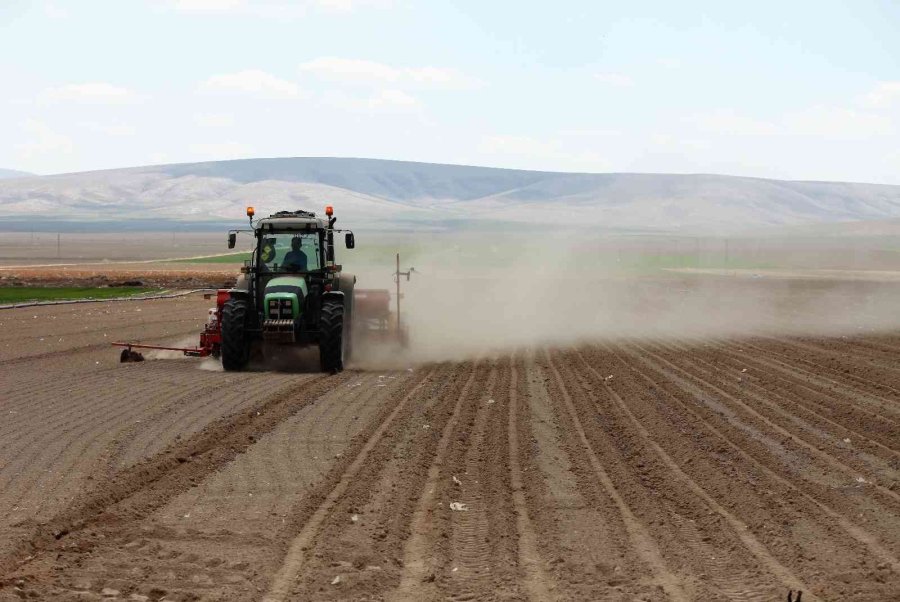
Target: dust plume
<point x="475" y="292"/>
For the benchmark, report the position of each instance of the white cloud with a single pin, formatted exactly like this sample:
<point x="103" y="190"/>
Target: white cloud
<point x="590" y="133"/>
<point x="818" y="121"/>
<point x="253" y="82"/>
<point x="381" y="101"/>
<point x="883" y="95"/>
<point x="91" y="92"/>
<point x="208" y="6"/>
<point x="350" y="5"/>
<point x="517" y="145"/>
<point x="392" y="98"/>
<point x="670" y="62"/>
<point x="361" y="71"/>
<point x="43" y="141"/>
<point x="837" y="123"/>
<point x="542" y="153"/>
<point x="730" y="122"/>
<point x="214" y="120"/>
<point x="221" y="150"/>
<point x="110" y="129"/>
<point x="52" y="11"/>
<point x="617" y="80"/>
<point x="279" y="9"/>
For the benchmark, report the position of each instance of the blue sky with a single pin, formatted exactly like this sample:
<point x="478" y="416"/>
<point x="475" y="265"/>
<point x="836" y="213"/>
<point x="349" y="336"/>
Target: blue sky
<point x="797" y="90"/>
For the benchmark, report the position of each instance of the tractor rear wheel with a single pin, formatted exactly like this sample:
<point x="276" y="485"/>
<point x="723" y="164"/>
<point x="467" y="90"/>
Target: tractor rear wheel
<point x="331" y="340"/>
<point x="235" y="345"/>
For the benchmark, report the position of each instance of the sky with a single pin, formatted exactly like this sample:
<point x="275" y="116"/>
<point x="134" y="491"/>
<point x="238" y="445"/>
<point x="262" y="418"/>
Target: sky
<point x="804" y="89"/>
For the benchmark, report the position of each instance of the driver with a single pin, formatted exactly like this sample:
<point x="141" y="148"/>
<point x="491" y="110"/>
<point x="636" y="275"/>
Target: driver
<point x="295" y="259"/>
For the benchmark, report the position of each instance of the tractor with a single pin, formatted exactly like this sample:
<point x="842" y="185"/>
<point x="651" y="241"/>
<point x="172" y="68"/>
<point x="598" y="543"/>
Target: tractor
<point x="291" y="292"/>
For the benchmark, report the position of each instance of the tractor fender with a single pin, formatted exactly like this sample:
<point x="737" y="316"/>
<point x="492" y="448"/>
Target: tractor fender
<point x="237" y="293"/>
<point x="334" y="295"/>
<point x="242" y="283"/>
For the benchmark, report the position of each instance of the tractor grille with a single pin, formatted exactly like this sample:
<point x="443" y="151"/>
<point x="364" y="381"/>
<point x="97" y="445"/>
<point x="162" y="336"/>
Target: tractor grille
<point x="279" y="331"/>
<point x="280" y="309"/>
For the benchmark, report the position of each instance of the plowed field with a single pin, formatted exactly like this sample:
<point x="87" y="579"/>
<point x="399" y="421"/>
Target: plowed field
<point x="651" y="469"/>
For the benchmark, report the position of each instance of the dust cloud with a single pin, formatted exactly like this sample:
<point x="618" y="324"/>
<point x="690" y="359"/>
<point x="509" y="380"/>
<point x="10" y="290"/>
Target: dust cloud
<point x="474" y="293"/>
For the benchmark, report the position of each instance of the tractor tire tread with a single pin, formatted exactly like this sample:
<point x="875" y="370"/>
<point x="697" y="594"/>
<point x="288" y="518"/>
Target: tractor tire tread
<point x="331" y="352"/>
<point x="235" y="347"/>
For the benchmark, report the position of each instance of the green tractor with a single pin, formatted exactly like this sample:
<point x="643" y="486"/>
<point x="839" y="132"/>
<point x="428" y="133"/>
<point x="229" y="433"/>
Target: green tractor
<point x="291" y="292"/>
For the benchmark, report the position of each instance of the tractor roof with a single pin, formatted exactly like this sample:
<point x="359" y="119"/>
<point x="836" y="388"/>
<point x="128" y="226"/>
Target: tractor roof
<point x="292" y="220"/>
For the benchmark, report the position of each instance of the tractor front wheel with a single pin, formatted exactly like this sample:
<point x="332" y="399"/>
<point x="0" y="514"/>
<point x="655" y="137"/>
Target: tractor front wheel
<point x="235" y="345"/>
<point x="331" y="341"/>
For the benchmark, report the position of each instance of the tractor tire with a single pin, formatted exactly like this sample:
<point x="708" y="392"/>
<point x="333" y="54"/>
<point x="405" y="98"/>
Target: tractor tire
<point x="331" y="339"/>
<point x="235" y="344"/>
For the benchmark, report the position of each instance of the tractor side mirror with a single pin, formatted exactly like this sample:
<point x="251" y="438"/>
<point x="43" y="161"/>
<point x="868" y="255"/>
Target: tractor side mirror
<point x="349" y="240"/>
<point x="232" y="238"/>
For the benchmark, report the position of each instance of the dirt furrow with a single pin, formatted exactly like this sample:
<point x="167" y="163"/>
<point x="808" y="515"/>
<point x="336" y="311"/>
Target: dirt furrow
<point x="285" y="577"/>
<point x="788" y="439"/>
<point x="753" y="545"/>
<point x="363" y="538"/>
<point x="536" y="583"/>
<point x="867" y="428"/>
<point x="135" y="492"/>
<point x="861" y="358"/>
<point x="482" y="545"/>
<point x="89" y="434"/>
<point x="814" y="430"/>
<point x="758" y="476"/>
<point x="581" y="531"/>
<point x="825" y="378"/>
<point x="419" y="570"/>
<point x="639" y="535"/>
<point x="225" y="538"/>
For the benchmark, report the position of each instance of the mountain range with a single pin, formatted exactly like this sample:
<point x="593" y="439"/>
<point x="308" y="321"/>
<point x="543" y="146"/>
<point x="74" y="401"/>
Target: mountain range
<point x="387" y="194"/>
<point x="13" y="173"/>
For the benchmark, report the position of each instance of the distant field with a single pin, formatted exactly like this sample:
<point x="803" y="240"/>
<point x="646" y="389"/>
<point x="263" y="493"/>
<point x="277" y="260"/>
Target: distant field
<point x="21" y="294"/>
<point x="226" y="258"/>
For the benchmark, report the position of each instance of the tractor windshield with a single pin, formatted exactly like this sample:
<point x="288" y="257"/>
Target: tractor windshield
<point x="289" y="252"/>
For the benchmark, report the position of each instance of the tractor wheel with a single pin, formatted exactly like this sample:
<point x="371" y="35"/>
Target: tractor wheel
<point x="235" y="346"/>
<point x="331" y="341"/>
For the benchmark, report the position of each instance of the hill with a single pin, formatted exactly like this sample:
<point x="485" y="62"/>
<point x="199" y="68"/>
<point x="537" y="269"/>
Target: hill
<point x="390" y="193"/>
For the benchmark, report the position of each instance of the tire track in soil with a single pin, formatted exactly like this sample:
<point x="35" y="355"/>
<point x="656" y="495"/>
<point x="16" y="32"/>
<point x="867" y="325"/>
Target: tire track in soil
<point x="133" y="493"/>
<point x="784" y="435"/>
<point x="482" y="542"/>
<point x="225" y="538"/>
<point x="418" y="576"/>
<point x="87" y="434"/>
<point x="535" y="581"/>
<point x="259" y="488"/>
<point x="365" y="552"/>
<point x="641" y="540"/>
<point x="734" y="584"/>
<point x="743" y="450"/>
<point x="319" y="507"/>
<point x="581" y="530"/>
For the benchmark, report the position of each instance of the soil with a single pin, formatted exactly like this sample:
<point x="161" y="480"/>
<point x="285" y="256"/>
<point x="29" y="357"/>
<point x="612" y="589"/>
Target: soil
<point x="651" y="469"/>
